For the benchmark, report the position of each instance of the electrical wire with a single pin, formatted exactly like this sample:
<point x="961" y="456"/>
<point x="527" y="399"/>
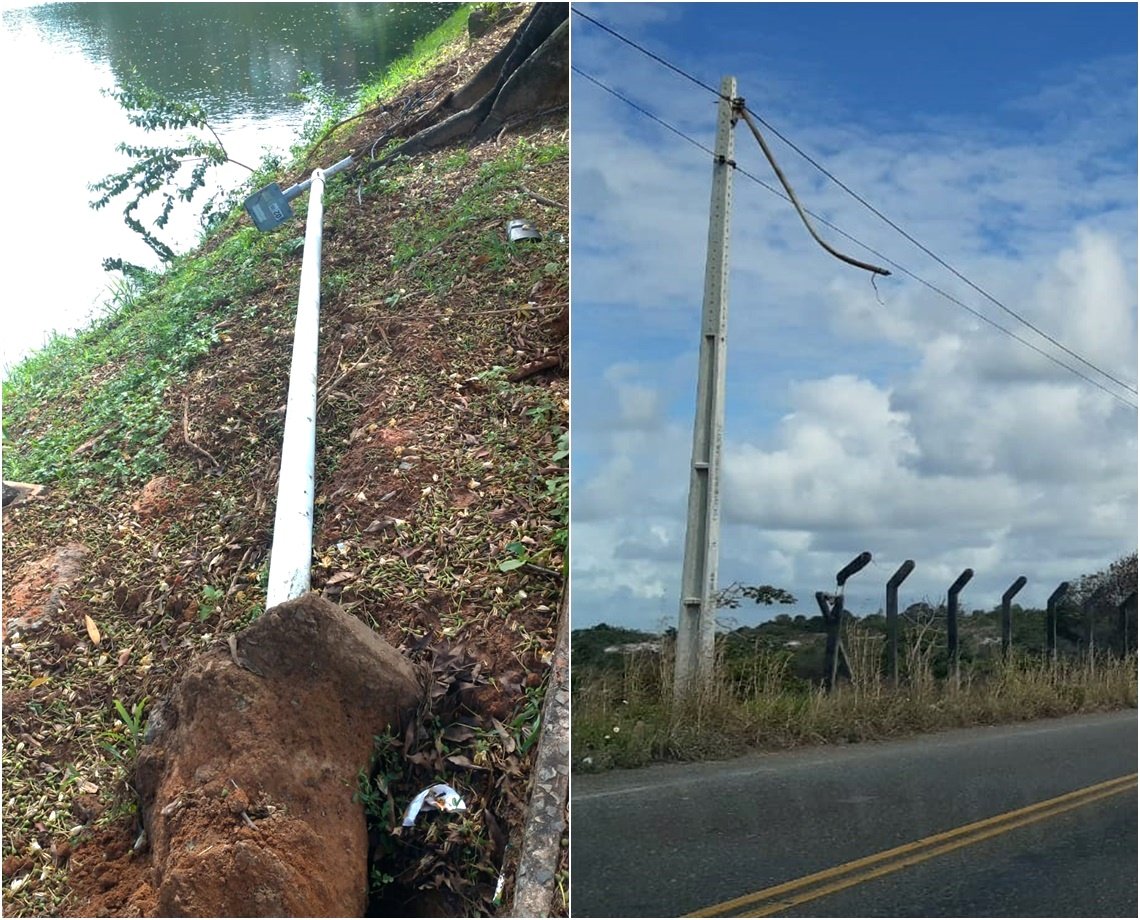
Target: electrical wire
<point x="613" y="92"/>
<point x="903" y="269"/>
<point x="660" y="60"/>
<point x="950" y="268"/>
<point x="866" y="266"/>
<point x="1017" y="316"/>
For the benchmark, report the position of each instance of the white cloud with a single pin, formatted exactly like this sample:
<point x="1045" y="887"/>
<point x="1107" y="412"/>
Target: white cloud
<point x="906" y="426"/>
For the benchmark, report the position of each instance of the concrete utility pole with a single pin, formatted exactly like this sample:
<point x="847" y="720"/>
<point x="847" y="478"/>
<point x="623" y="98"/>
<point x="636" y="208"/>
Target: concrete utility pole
<point x="696" y="629"/>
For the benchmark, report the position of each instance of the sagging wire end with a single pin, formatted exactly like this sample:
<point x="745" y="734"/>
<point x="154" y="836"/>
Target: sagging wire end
<point x="866" y="266"/>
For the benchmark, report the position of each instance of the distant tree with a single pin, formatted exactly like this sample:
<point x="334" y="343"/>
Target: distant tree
<point x="1108" y="587"/>
<point x="732" y="596"/>
<point x="1094" y="599"/>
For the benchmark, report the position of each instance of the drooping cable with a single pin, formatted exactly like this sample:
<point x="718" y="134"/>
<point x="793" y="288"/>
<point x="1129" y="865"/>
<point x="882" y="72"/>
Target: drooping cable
<point x="901" y="268"/>
<point x="1131" y="388"/>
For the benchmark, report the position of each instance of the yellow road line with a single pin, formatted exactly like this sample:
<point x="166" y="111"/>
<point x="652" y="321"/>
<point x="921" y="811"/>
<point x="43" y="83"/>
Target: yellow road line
<point x="916" y="858"/>
<point x="914" y="852"/>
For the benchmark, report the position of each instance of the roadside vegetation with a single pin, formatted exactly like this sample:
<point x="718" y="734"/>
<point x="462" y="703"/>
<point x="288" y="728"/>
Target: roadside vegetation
<point x="767" y="690"/>
<point x="442" y="489"/>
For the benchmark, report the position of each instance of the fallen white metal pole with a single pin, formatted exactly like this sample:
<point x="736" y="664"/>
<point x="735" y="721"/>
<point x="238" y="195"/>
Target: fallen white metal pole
<point x="291" y="556"/>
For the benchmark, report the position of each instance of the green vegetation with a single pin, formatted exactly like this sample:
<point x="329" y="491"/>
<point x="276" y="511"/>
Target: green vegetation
<point x="472" y="212"/>
<point x="627" y="718"/>
<point x="156" y="170"/>
<point x="124" y="739"/>
<point x="767" y="693"/>
<point x="125" y="363"/>
<point x="155" y="327"/>
<point x="427" y="53"/>
<point x="435" y="463"/>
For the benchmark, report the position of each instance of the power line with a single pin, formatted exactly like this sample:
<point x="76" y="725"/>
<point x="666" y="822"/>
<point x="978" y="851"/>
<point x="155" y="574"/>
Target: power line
<point x="883" y="217"/>
<point x="906" y="271"/>
<point x="1021" y="319"/>
<point x="613" y="92"/>
<point x="647" y="52"/>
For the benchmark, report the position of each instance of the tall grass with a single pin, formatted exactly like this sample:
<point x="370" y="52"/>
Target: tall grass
<point x="629" y="718"/>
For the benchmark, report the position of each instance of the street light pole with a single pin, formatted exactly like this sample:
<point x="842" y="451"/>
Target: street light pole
<point x="696" y="630"/>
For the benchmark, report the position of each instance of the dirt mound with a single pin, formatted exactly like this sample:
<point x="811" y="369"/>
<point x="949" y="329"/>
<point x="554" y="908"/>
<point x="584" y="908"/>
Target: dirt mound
<point x="248" y="779"/>
<point x="41" y="588"/>
<point x="109" y="877"/>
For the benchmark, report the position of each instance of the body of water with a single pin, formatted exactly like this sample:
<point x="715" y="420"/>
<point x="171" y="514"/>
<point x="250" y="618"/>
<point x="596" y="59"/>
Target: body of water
<point x="242" y="62"/>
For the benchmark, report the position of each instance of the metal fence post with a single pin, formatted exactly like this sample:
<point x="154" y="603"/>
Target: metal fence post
<point x="834" y="651"/>
<point x="290" y="558"/>
<point x="1088" y="616"/>
<point x="893" y="619"/>
<point x="832" y="610"/>
<point x="1007" y="616"/>
<point x="952" y="621"/>
<point x="1051" y="620"/>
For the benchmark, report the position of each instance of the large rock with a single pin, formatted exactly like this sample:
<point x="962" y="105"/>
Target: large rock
<point x="249" y="771"/>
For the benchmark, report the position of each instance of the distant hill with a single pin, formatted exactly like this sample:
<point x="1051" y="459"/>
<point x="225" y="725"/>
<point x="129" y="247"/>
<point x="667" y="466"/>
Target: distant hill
<point x="588" y="646"/>
<point x="801" y="638"/>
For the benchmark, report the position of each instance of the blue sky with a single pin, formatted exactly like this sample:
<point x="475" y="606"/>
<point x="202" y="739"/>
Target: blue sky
<point x="1003" y="137"/>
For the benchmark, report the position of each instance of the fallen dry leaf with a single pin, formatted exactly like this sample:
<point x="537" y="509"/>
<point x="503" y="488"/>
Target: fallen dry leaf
<point x="92" y="629"/>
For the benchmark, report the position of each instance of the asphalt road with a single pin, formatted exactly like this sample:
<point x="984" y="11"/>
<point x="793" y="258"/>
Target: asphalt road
<point x="682" y="838"/>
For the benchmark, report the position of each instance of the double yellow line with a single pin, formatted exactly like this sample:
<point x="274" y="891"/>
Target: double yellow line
<point x="820" y="884"/>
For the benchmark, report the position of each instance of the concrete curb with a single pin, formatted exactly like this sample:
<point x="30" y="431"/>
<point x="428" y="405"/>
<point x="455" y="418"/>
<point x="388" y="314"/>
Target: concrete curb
<point x="548" y="811"/>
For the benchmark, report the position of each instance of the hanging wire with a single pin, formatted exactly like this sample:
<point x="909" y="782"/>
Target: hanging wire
<point x="1131" y="388"/>
<point x="866" y="266"/>
<point x="901" y="268"/>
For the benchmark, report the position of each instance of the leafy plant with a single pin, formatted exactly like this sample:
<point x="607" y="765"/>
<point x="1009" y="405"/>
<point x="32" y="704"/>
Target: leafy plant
<point x="131" y="734"/>
<point x="524" y="727"/>
<point x="374" y="792"/>
<point x="322" y="107"/>
<point x="520" y="557"/>
<point x="558" y="488"/>
<point x="731" y="596"/>
<point x="210" y="598"/>
<point x="156" y="168"/>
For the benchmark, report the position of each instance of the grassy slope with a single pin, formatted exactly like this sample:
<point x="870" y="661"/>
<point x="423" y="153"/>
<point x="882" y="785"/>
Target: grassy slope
<point x="433" y="469"/>
<point x="624" y="714"/>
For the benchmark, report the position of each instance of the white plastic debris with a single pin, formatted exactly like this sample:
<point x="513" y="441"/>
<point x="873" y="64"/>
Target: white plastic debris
<point x="439" y="796"/>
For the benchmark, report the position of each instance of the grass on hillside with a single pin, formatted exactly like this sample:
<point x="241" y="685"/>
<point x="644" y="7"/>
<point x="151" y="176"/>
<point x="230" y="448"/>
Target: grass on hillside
<point x="628" y="718"/>
<point x="442" y="484"/>
<point x="427" y="53"/>
<point x="152" y="330"/>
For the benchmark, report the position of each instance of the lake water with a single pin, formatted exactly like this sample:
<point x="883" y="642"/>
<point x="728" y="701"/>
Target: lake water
<point x="239" y="61"/>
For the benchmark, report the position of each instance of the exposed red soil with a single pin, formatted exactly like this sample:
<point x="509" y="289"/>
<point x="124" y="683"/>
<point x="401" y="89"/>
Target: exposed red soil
<point x="427" y="471"/>
<point x="41" y="587"/>
<point x="248" y="784"/>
